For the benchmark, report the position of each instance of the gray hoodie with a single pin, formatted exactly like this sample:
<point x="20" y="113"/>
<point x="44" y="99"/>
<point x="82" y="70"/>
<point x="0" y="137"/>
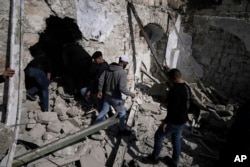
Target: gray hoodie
<point x="113" y="81"/>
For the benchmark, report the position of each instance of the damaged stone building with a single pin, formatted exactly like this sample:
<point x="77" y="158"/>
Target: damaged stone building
<point x="208" y="40"/>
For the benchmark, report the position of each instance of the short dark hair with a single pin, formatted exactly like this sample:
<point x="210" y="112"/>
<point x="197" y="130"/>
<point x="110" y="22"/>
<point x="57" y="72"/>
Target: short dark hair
<point x="174" y="73"/>
<point x="97" y="54"/>
<point x="36" y="51"/>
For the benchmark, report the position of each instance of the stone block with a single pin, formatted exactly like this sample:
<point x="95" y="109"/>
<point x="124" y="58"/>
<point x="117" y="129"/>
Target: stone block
<point x="38" y="131"/>
<point x="147" y="107"/>
<point x="75" y="121"/>
<point x="6" y="139"/>
<point x="89" y="160"/>
<point x="46" y="117"/>
<point x="72" y="113"/>
<point x="54" y="127"/>
<point x="31" y="124"/>
<point x="68" y="127"/>
<point x="50" y="136"/>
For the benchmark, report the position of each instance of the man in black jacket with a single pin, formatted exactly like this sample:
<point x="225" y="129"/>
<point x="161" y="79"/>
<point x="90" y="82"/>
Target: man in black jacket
<point x="37" y="77"/>
<point x="177" y="115"/>
<point x="96" y="69"/>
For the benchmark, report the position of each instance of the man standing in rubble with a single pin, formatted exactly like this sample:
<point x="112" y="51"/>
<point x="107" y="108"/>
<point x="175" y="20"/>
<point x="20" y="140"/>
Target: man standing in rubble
<point x="37" y="77"/>
<point x="96" y="69"/>
<point x="112" y="83"/>
<point x="178" y="103"/>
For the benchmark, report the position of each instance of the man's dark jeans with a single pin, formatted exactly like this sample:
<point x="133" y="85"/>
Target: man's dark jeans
<point x="176" y="132"/>
<point x="42" y="84"/>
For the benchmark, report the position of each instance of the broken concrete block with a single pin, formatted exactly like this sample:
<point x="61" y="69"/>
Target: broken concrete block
<point x="32" y="115"/>
<point x="60" y="109"/>
<point x="68" y="127"/>
<point x="100" y="135"/>
<point x="46" y="117"/>
<point x="29" y="140"/>
<point x="99" y="154"/>
<point x="54" y="127"/>
<point x="230" y="107"/>
<point x="65" y="152"/>
<point x="220" y="107"/>
<point x="75" y="121"/>
<point x="63" y="117"/>
<point x="88" y="160"/>
<point x="72" y="113"/>
<point x="20" y="149"/>
<point x="149" y="107"/>
<point x="37" y="132"/>
<point x="6" y="139"/>
<point x="31" y="124"/>
<point x="50" y="136"/>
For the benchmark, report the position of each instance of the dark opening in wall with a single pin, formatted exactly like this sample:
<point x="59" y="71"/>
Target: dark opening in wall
<point x="158" y="39"/>
<point x="69" y="60"/>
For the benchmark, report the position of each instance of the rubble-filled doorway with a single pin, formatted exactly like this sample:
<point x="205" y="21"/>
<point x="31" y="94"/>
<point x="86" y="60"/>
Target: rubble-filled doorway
<point x="69" y="59"/>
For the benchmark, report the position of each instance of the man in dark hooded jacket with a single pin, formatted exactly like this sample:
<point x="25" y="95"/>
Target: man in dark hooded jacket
<point x="112" y="83"/>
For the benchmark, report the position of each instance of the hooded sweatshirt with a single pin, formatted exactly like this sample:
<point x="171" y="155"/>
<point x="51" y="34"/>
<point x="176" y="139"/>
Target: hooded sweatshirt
<point x="113" y="81"/>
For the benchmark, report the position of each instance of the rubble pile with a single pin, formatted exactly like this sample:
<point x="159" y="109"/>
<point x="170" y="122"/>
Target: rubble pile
<point x="202" y="138"/>
<point x="204" y="135"/>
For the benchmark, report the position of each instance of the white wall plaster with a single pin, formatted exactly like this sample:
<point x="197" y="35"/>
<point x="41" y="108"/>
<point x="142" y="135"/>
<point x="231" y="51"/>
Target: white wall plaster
<point x="171" y="56"/>
<point x="95" y="20"/>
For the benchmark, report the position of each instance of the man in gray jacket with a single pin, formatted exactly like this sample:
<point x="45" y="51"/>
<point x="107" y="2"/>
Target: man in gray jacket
<point x="112" y="83"/>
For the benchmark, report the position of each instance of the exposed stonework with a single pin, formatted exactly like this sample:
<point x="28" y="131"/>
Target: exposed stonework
<point x="211" y="47"/>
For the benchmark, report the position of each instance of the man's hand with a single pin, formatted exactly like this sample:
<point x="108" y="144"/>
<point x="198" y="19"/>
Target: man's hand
<point x="164" y="126"/>
<point x="133" y="95"/>
<point x="88" y="93"/>
<point x="8" y="73"/>
<point x="99" y="95"/>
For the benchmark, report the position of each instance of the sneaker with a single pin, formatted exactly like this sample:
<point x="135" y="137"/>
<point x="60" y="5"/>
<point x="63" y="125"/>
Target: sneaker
<point x="170" y="162"/>
<point x="30" y="97"/>
<point x="125" y="132"/>
<point x="150" y="159"/>
<point x="45" y="110"/>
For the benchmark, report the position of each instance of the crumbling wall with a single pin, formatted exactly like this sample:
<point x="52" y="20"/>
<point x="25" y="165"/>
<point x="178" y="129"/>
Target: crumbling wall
<point x="4" y="22"/>
<point x="221" y="47"/>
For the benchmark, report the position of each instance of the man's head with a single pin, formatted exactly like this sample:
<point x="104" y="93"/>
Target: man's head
<point x="123" y="61"/>
<point x="97" y="57"/>
<point x="174" y="76"/>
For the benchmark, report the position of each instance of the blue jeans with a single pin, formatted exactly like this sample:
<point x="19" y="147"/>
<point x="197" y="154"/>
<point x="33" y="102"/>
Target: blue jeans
<point x="42" y="84"/>
<point x="176" y="132"/>
<point x="87" y="99"/>
<point x="118" y="105"/>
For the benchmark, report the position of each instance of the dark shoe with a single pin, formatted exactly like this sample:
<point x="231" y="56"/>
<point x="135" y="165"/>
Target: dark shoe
<point x="125" y="132"/>
<point x="30" y="97"/>
<point x="150" y="159"/>
<point x="170" y="162"/>
<point x="45" y="110"/>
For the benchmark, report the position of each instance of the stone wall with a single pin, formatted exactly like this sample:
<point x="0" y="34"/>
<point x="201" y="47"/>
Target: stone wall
<point x="221" y="47"/>
<point x="4" y="22"/>
<point x="109" y="26"/>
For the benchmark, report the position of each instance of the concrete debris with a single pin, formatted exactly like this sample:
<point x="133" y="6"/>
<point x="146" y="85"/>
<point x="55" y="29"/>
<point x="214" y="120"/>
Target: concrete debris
<point x="89" y="160"/>
<point x="67" y="118"/>
<point x="6" y="139"/>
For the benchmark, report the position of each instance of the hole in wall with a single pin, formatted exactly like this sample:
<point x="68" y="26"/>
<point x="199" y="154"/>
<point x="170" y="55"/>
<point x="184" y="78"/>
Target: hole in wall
<point x="69" y="60"/>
